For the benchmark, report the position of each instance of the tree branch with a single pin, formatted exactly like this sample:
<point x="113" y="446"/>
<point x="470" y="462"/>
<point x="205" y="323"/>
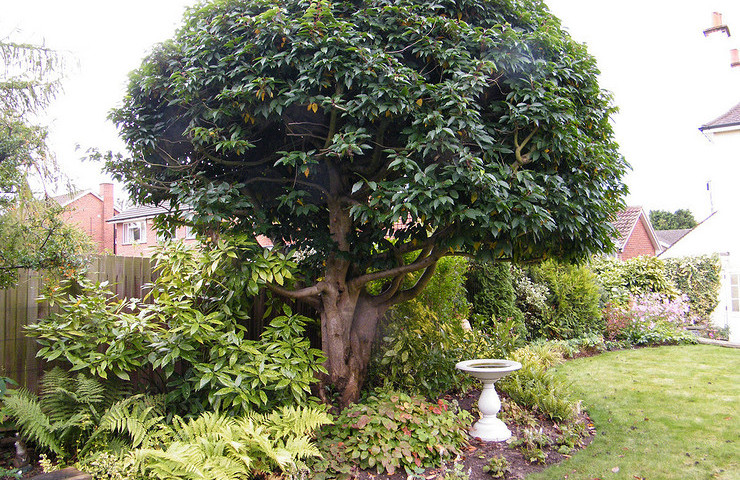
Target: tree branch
<point x="522" y="159"/>
<point x="412" y="292"/>
<point x="418" y="264"/>
<point x="309" y="295"/>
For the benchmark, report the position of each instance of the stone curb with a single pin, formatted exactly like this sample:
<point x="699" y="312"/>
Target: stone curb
<point x="719" y="343"/>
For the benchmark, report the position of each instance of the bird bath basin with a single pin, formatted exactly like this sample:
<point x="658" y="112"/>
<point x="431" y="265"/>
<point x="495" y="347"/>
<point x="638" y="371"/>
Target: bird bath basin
<point x="489" y="428"/>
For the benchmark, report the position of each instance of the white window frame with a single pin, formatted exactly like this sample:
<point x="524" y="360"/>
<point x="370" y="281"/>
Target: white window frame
<point x="735" y="292"/>
<point x="128" y="232"/>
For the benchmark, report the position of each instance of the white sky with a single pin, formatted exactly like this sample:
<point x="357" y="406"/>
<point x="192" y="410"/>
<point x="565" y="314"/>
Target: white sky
<point x="666" y="77"/>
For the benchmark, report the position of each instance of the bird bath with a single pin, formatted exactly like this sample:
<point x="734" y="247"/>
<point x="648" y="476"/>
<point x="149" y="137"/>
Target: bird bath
<point x="488" y="371"/>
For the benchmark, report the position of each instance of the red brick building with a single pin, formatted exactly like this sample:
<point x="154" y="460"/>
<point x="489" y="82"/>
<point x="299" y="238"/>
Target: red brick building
<point x="135" y="235"/>
<point x="88" y="211"/>
<point x="635" y="234"/>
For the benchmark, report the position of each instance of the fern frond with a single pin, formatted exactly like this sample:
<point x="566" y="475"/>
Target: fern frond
<point x="33" y="423"/>
<point x="290" y="421"/>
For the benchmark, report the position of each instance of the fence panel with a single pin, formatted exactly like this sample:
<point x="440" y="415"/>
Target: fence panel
<point x="18" y="308"/>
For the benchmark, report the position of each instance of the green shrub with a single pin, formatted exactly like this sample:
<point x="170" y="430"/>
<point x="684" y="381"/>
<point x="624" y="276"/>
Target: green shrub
<point x="531" y="300"/>
<point x="497" y="467"/>
<point x="536" y="386"/>
<point x="574" y="300"/>
<point x="389" y="431"/>
<point x="191" y="334"/>
<point x="699" y="278"/>
<point x="636" y="276"/>
<point x="418" y="352"/>
<point x="491" y="292"/>
<point x="445" y="293"/>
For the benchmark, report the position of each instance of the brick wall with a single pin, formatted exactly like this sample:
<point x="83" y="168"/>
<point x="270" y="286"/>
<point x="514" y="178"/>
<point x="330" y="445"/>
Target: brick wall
<point x="89" y="213"/>
<point x="638" y="244"/>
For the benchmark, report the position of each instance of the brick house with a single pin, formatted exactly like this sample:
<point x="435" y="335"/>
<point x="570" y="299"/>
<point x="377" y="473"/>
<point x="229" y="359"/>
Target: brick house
<point x="135" y="235"/>
<point x="635" y="234"/>
<point x="88" y="211"/>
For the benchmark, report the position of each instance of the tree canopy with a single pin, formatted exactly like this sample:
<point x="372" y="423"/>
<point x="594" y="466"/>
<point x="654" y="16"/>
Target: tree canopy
<point x="665" y="220"/>
<point x="376" y="137"/>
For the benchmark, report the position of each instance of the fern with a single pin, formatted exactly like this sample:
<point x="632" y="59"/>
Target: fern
<point x="33" y="423"/>
<point x="138" y="418"/>
<point x="217" y="446"/>
<point x="66" y="414"/>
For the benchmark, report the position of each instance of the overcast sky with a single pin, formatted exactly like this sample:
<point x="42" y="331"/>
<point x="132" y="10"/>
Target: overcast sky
<point x="666" y="77"/>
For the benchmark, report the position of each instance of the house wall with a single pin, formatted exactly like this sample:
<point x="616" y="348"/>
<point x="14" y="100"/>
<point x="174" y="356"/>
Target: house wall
<point x="144" y="249"/>
<point x="638" y="244"/>
<point x="88" y="214"/>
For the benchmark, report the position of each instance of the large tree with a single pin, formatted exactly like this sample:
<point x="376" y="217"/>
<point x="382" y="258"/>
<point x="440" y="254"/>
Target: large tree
<point x="376" y="137"/>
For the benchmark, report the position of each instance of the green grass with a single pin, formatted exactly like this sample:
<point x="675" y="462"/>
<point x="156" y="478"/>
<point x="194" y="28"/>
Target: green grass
<point x="660" y="414"/>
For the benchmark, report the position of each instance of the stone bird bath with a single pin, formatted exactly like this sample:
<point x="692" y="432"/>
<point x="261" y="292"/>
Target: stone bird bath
<point x="489" y="428"/>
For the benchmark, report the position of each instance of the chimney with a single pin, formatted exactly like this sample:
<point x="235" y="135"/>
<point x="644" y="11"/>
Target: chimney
<point x="734" y="58"/>
<point x="717" y="25"/>
<point x="106" y="191"/>
<point x="716" y="19"/>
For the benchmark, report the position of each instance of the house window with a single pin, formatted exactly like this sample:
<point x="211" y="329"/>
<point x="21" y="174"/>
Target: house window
<point x="134" y="232"/>
<point x="735" y="292"/>
<point x="164" y="235"/>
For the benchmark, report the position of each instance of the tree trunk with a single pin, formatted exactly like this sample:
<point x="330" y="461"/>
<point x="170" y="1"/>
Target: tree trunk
<point x="348" y="324"/>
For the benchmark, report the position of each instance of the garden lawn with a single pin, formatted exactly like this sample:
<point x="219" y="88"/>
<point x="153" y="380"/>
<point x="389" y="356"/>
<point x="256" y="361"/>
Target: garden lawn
<point x="660" y="413"/>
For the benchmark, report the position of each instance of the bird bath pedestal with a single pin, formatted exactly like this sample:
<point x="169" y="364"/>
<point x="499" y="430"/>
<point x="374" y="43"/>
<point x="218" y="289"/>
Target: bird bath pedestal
<point x="489" y="428"/>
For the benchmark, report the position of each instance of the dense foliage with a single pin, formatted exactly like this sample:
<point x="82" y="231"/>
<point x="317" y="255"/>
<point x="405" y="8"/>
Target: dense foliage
<point x="680" y="219"/>
<point x="220" y="446"/>
<point x="74" y="414"/>
<point x="189" y="339"/>
<point x="491" y="292"/>
<point x="392" y="430"/>
<point x="473" y="127"/>
<point x="636" y="276"/>
<point x="699" y="278"/>
<point x="424" y="338"/>
<point x="574" y="299"/>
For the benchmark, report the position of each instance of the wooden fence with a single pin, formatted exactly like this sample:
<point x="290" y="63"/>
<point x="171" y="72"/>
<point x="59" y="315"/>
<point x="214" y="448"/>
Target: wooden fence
<point x="18" y="307"/>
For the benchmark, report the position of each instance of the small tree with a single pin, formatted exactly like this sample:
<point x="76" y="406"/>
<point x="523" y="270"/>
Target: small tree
<point x="32" y="234"/>
<point x="664" y="220"/>
<point x="376" y="136"/>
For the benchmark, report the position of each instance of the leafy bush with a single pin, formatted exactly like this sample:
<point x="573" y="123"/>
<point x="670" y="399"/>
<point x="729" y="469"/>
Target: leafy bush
<point x="445" y="293"/>
<point x="218" y="446"/>
<point x="699" y="278"/>
<point x="536" y="386"/>
<point x="393" y="430"/>
<point x="418" y="352"/>
<point x="574" y="299"/>
<point x="636" y="276"/>
<point x="191" y="334"/>
<point x="107" y="466"/>
<point x="491" y="292"/>
<point x="531" y="300"/>
<point x="651" y="319"/>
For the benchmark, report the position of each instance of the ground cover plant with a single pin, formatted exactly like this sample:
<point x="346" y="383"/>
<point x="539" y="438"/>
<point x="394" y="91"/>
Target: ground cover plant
<point x="667" y="413"/>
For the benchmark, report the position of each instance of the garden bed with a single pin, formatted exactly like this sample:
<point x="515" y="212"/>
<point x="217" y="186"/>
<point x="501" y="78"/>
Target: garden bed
<point x="478" y="454"/>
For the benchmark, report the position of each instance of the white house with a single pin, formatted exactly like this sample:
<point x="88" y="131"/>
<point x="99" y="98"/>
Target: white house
<point x="720" y="232"/>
